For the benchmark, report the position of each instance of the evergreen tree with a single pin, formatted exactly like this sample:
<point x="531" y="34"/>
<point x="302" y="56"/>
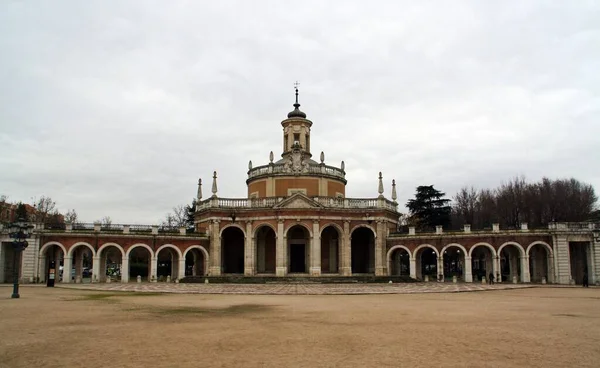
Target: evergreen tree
<point x="429" y="208"/>
<point x="21" y="213"/>
<point x="191" y="211"/>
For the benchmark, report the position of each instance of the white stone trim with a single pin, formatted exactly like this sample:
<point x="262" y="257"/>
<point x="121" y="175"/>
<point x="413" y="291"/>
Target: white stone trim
<point x="139" y="245"/>
<point x="72" y="249"/>
<point x="172" y="246"/>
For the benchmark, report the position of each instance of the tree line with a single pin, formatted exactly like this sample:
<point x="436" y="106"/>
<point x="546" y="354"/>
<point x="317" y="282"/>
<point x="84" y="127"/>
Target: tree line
<point x="510" y="204"/>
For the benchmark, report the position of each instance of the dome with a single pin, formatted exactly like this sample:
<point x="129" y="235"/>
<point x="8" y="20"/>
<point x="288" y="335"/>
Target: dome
<point x="297" y="113"/>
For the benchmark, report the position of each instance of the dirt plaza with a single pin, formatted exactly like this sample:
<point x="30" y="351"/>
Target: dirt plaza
<point x="67" y="327"/>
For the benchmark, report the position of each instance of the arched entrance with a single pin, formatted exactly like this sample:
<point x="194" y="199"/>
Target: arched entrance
<point x="330" y="254"/>
<point x="266" y="248"/>
<point x="82" y="263"/>
<point x="510" y="263"/>
<point x="232" y="250"/>
<point x="111" y="258"/>
<point x="298" y="249"/>
<point x="539" y="263"/>
<point x="140" y="263"/>
<point x="362" y="246"/>
<point x="482" y="262"/>
<point x="454" y="263"/>
<point x="399" y="262"/>
<point x="194" y="263"/>
<point x="51" y="253"/>
<point x="580" y="261"/>
<point x="426" y="263"/>
<point x="167" y="263"/>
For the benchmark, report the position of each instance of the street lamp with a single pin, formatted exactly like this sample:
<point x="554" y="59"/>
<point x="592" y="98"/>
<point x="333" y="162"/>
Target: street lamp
<point x="18" y="231"/>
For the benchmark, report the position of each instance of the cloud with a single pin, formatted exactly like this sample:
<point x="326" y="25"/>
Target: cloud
<point x="116" y="109"/>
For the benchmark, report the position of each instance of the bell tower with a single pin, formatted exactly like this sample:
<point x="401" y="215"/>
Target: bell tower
<point x="296" y="131"/>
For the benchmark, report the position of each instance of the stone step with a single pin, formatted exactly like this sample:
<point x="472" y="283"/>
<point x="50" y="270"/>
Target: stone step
<point x="296" y="279"/>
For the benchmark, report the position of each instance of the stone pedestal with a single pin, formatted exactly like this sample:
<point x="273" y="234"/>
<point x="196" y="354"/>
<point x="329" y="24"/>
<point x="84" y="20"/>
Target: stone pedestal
<point x="454" y="279"/>
<point x="515" y="280"/>
<point x="78" y="279"/>
<point x="139" y="279"/>
<point x="483" y="280"/>
<point x="426" y="278"/>
<point x="206" y="281"/>
<point x="108" y="279"/>
<point x="168" y="278"/>
<point x="543" y="280"/>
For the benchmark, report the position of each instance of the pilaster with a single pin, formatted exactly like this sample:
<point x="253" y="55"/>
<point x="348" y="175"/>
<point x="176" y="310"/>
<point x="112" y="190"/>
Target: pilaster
<point x="95" y="269"/>
<point x="525" y="276"/>
<point x="249" y="248"/>
<point x="67" y="264"/>
<point x="181" y="268"/>
<point x="413" y="268"/>
<point x="346" y="269"/>
<point x="215" y="249"/>
<point x="468" y="270"/>
<point x="379" y="264"/>
<point x="125" y="269"/>
<point x="315" y="250"/>
<point x="281" y="265"/>
<point x="561" y="259"/>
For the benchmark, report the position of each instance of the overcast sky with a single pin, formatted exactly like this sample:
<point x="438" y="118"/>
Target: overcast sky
<point x="116" y="108"/>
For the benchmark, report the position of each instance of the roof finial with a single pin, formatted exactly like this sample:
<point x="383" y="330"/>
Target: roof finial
<point x="297" y="113"/>
<point x="296" y="84"/>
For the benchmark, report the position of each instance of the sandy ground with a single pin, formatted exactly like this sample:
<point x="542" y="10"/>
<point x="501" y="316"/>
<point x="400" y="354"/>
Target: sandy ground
<point x="539" y="327"/>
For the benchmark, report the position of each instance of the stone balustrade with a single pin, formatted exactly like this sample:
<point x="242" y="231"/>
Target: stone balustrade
<point x="584" y="227"/>
<point x="270" y="202"/>
<point x="281" y="169"/>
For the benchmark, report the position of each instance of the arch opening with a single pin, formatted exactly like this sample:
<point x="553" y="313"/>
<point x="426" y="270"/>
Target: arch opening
<point x="111" y="260"/>
<point x="194" y="263"/>
<point x="140" y="261"/>
<point x="330" y="251"/>
<point x="362" y="251"/>
<point x="510" y="265"/>
<point x="427" y="263"/>
<point x="82" y="264"/>
<point x="167" y="264"/>
<point x="53" y="255"/>
<point x="298" y="239"/>
<point x="482" y="263"/>
<point x="232" y="250"/>
<point x="266" y="248"/>
<point x="454" y="263"/>
<point x="539" y="263"/>
<point x="400" y="262"/>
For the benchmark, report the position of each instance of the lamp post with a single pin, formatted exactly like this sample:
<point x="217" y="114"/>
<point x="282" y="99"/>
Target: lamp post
<point x="19" y="231"/>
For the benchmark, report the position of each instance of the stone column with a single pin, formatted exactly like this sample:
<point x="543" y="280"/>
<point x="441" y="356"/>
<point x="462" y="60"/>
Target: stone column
<point x="379" y="251"/>
<point x="346" y="269"/>
<point x="440" y="268"/>
<point x="67" y="265"/>
<point x="125" y="269"/>
<point x="96" y="269"/>
<point x="315" y="250"/>
<point x="154" y="268"/>
<point x="181" y="268"/>
<point x="281" y="265"/>
<point x="525" y="277"/>
<point x="496" y="269"/>
<point x="215" y="249"/>
<point x="249" y="249"/>
<point x="468" y="270"/>
<point x="413" y="268"/>
<point x="42" y="272"/>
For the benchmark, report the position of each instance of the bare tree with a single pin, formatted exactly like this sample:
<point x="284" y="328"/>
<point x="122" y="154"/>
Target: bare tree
<point x="71" y="216"/>
<point x="178" y="218"/>
<point x="44" y="207"/>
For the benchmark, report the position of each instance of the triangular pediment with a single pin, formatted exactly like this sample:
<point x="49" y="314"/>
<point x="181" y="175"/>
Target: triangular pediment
<point x="298" y="200"/>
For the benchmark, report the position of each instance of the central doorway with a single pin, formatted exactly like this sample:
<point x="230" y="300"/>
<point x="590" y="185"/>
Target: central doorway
<point x="297" y="258"/>
<point x="298" y="249"/>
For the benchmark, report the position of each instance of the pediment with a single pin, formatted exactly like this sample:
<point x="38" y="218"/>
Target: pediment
<point x="298" y="200"/>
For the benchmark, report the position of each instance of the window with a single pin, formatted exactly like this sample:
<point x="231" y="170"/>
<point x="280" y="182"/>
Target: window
<point x="296" y="138"/>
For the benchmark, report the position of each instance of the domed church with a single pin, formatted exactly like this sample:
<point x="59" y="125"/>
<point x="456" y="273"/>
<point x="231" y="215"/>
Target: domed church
<point x="297" y="219"/>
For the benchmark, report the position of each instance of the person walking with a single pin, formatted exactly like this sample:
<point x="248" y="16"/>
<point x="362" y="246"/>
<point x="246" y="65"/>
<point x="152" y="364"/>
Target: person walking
<point x="491" y="278"/>
<point x="585" y="279"/>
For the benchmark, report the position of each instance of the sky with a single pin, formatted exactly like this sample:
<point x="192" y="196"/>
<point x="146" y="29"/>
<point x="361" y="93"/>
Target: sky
<point x="116" y="108"/>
